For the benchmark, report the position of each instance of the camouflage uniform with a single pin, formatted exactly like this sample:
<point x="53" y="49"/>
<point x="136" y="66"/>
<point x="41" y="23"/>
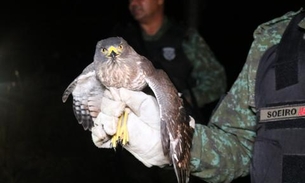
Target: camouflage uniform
<point x="222" y="150"/>
<point x="209" y="73"/>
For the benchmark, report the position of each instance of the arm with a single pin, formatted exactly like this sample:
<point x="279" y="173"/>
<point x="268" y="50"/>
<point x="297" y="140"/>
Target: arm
<point x="222" y="150"/>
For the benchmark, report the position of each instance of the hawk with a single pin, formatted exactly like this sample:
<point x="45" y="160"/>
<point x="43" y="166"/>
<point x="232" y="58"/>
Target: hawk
<point x="117" y="65"/>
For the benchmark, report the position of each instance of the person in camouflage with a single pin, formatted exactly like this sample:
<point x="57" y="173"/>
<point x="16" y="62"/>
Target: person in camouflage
<point x="179" y="50"/>
<point x="223" y="150"/>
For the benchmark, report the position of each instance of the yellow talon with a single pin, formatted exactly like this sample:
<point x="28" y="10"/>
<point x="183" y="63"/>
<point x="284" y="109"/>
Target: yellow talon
<point x="121" y="135"/>
<point x="116" y="136"/>
<point x="119" y="129"/>
<point x="125" y="138"/>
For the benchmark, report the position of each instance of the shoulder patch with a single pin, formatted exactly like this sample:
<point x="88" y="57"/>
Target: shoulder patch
<point x="169" y="53"/>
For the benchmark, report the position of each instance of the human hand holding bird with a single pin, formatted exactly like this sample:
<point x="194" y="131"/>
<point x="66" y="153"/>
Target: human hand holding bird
<point x="143" y="124"/>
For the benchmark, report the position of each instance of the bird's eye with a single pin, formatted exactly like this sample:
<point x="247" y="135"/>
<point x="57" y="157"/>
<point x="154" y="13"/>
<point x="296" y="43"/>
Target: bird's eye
<point x="103" y="50"/>
<point x="120" y="47"/>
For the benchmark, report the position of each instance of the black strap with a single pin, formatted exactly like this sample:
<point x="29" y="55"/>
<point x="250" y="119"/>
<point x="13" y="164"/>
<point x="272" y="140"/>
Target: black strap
<point x="286" y="70"/>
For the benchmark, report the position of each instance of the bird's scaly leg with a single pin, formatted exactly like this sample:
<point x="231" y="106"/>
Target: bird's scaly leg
<point x="122" y="130"/>
<point x="125" y="138"/>
<point x="116" y="136"/>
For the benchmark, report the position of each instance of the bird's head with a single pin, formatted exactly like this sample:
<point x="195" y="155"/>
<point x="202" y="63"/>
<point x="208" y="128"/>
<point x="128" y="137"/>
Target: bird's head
<point x="110" y="48"/>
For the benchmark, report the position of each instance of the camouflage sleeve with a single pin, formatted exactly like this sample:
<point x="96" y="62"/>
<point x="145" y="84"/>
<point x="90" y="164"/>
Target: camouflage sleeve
<point x="222" y="150"/>
<point x="208" y="73"/>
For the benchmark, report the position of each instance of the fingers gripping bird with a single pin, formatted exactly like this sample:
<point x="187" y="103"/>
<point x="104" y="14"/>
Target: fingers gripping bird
<point x="117" y="65"/>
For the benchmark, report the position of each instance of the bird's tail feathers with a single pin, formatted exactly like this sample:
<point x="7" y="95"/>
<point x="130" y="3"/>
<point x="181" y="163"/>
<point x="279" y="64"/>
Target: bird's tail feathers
<point x="182" y="173"/>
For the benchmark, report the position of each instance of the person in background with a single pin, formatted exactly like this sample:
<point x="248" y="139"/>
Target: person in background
<point x="180" y="51"/>
<point x="258" y="127"/>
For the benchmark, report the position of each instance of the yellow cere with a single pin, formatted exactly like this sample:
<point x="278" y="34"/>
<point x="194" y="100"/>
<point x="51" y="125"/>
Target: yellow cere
<point x="112" y="48"/>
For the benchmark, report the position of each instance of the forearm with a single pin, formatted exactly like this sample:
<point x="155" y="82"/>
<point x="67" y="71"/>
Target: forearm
<point x="222" y="150"/>
<point x="218" y="156"/>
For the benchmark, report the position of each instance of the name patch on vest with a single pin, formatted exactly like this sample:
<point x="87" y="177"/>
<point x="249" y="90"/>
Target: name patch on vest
<point x="282" y="113"/>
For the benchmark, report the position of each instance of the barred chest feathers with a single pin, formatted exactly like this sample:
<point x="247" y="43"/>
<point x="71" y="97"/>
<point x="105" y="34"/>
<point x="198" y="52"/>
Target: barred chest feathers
<point x="122" y="76"/>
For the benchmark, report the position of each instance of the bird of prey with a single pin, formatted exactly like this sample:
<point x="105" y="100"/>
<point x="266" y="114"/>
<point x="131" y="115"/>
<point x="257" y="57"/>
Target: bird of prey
<point x="117" y="65"/>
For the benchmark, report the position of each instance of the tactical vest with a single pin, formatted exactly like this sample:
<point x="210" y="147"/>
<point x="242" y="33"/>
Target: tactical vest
<point x="279" y="148"/>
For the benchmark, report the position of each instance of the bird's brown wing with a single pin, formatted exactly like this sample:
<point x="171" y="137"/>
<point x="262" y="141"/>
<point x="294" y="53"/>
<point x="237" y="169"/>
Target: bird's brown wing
<point x="87" y="92"/>
<point x="175" y="129"/>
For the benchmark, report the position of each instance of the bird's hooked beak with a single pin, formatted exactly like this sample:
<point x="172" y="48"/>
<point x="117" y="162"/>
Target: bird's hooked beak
<point x="112" y="51"/>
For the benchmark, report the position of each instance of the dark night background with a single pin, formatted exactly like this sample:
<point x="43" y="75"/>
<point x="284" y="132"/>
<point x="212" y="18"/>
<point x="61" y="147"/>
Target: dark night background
<point x="45" y="45"/>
